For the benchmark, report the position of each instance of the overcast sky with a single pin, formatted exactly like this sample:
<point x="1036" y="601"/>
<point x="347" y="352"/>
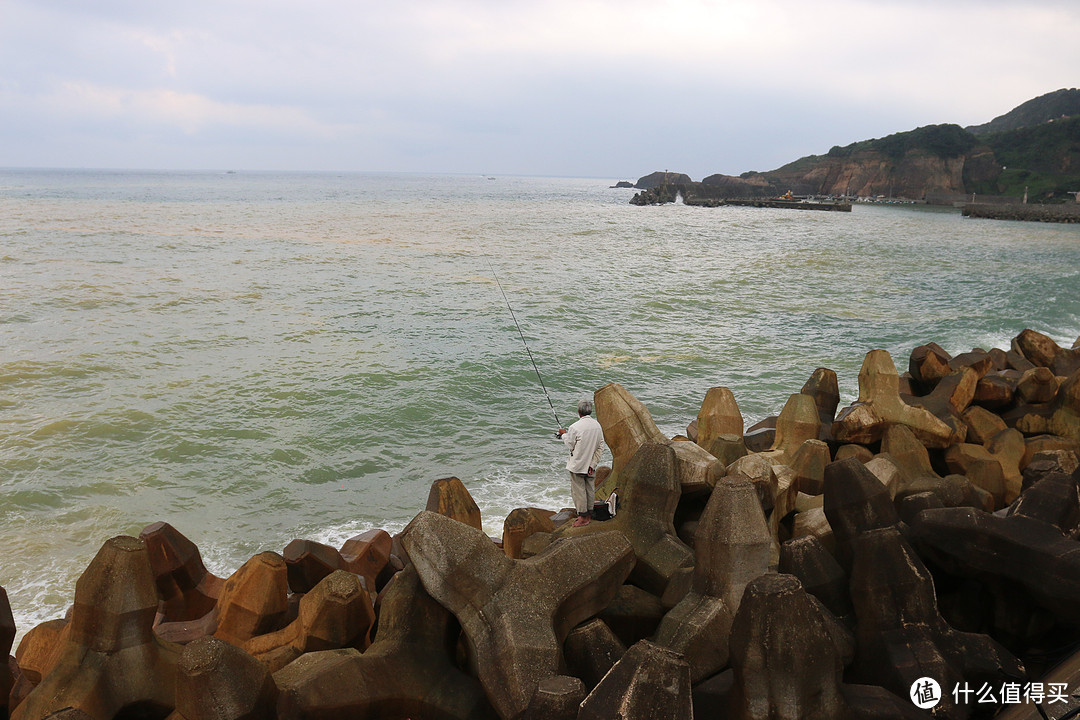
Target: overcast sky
<point x="598" y="88"/>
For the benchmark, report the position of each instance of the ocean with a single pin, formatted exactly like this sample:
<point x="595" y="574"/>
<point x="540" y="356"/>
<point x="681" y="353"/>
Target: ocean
<point x="258" y="357"/>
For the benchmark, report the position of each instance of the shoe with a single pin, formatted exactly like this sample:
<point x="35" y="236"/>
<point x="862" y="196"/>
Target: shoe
<point x="582" y="521"/>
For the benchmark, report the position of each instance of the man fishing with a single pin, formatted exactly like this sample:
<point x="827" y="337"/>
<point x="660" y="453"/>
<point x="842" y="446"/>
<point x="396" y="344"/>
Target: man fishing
<point x="585" y="438"/>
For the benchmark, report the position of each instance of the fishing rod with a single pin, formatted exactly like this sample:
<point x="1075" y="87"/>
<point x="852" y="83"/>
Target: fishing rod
<point x="538" y="376"/>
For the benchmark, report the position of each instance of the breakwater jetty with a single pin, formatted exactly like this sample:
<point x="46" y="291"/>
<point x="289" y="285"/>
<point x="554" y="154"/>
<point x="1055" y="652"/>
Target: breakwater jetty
<point x="1063" y="213"/>
<point x="915" y="549"/>
<point x="826" y="205"/>
<point x="701" y="195"/>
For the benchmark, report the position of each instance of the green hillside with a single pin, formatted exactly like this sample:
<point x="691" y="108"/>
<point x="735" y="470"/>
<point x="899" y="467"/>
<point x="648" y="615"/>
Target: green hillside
<point x="942" y="140"/>
<point x="1044" y="158"/>
<point x="1051" y="106"/>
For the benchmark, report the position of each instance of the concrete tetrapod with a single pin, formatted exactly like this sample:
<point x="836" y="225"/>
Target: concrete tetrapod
<point x="451" y="498"/>
<point x="520" y="524"/>
<point x="111" y="660"/>
<point x="786" y="664"/>
<point x="719" y="415"/>
<point x="824" y="388"/>
<point x="515" y="613"/>
<point x="407" y="672"/>
<point x="7" y="637"/>
<point x="1043" y="351"/>
<point x="188" y="590"/>
<point x="648" y="496"/>
<point x="732" y="547"/>
<point x="649" y="681"/>
<point x="219" y="681"/>
<point x="1029" y="549"/>
<point x="557" y="698"/>
<point x="626" y="422"/>
<point x="628" y="425"/>
<point x="855" y="501"/>
<point x="254" y="600"/>
<point x="365" y="555"/>
<point x="798" y="422"/>
<point x="949" y="399"/>
<point x="901" y="635"/>
<point x="591" y="649"/>
<point x="787" y="652"/>
<point x="879" y="406"/>
<point x="336" y="613"/>
<point x="807" y="559"/>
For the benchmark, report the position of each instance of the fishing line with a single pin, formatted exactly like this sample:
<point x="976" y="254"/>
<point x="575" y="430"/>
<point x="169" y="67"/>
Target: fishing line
<point x="538" y="376"/>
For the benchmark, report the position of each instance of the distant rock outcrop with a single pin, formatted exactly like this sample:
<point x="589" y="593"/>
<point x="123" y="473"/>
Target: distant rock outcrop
<point x="658" y="178"/>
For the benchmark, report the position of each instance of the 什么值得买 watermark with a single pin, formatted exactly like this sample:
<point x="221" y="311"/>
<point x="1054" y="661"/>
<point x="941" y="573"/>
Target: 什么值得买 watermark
<point x="926" y="693"/>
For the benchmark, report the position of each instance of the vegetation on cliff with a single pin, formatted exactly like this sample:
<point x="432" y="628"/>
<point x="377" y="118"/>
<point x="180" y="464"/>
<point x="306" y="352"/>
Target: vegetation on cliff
<point x="1043" y="109"/>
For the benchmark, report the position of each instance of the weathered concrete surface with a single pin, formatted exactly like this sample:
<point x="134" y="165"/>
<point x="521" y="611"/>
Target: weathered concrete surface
<point x="855" y="502"/>
<point x="949" y="399"/>
<point x="307" y="562"/>
<point x="626" y="422"/>
<point x="719" y="415"/>
<point x="798" y="422"/>
<point x="368" y="555"/>
<point x="809" y="465"/>
<point x="649" y="494"/>
<point x="111" y="658"/>
<point x="928" y="364"/>
<point x="633" y="614"/>
<point x="520" y="524"/>
<point x="516" y="613"/>
<point x="733" y="546"/>
<point x="451" y="498"/>
<point x="649" y="681"/>
<point x="219" y="681"/>
<point x="557" y="698"/>
<point x="187" y="589"/>
<point x="1043" y="351"/>
<point x="787" y="664"/>
<point x="628" y="425"/>
<point x="7" y="637"/>
<point x="40" y="649"/>
<point x="807" y="559"/>
<point x="901" y="634"/>
<point x="408" y="671"/>
<point x="255" y="599"/>
<point x="336" y="613"/>
<point x="1025" y="550"/>
<point x="591" y="649"/>
<point x="879" y="406"/>
<point x="825" y="389"/>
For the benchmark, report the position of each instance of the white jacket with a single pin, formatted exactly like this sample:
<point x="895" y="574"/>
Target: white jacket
<point x="585" y="438"/>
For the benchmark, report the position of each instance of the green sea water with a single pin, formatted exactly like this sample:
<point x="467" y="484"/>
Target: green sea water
<point x="260" y="357"/>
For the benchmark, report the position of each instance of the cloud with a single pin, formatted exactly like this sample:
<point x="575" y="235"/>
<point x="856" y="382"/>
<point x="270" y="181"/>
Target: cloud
<point x="467" y="84"/>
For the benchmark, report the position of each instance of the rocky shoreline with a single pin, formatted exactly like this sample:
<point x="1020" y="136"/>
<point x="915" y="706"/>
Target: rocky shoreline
<point x="819" y="564"/>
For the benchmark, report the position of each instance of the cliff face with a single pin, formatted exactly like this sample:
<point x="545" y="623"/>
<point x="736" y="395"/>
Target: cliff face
<point x="870" y="173"/>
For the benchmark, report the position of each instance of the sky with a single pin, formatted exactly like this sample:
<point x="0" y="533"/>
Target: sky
<point x="569" y="88"/>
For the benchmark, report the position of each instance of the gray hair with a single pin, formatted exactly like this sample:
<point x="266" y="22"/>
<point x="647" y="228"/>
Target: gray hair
<point x="584" y="407"/>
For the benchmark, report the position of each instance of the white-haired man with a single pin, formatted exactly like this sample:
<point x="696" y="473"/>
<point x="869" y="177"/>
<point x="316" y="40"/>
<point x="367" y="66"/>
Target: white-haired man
<point x="585" y="438"/>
